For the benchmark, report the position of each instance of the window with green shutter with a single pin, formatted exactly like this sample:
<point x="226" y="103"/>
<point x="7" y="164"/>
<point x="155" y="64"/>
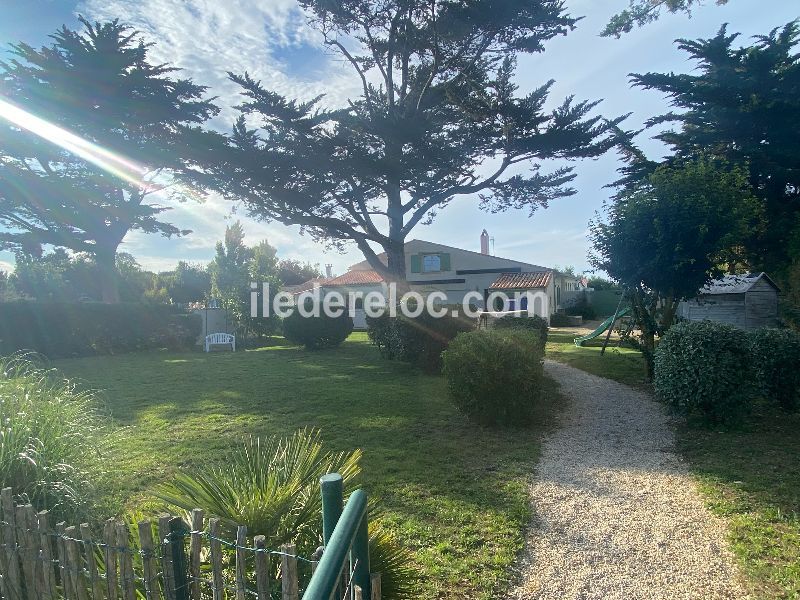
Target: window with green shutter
<point x="445" y="261"/>
<point x="416" y="263"/>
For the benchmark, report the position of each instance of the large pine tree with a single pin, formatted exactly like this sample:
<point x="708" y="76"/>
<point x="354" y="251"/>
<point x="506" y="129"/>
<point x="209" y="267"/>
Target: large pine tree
<point x="438" y="117"/>
<point x="98" y="84"/>
<point x="741" y="106"/>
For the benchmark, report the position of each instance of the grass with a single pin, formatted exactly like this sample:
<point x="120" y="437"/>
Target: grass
<point x="454" y="493"/>
<point x="618" y="363"/>
<point x="750" y="476"/>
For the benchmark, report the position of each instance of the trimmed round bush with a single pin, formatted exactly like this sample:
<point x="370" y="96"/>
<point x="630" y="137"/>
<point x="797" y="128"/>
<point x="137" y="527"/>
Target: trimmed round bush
<point x="704" y="369"/>
<point x="316" y="333"/>
<point x="776" y="363"/>
<point x="419" y="340"/>
<point x="533" y="323"/>
<point x="495" y="377"/>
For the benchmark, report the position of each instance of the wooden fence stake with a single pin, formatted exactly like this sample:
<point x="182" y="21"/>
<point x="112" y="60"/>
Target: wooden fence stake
<point x="66" y="569"/>
<point x="179" y="575"/>
<point x="110" y="558"/>
<point x="218" y="589"/>
<point x="12" y="584"/>
<point x="357" y="594"/>
<point x="195" y="546"/>
<point x="125" y="563"/>
<point x="375" y="585"/>
<point x="75" y="565"/>
<point x="91" y="559"/>
<point x="149" y="569"/>
<point x="34" y="545"/>
<point x="262" y="567"/>
<point x="48" y="566"/>
<point x="241" y="562"/>
<point x="289" y="588"/>
<point x="166" y="557"/>
<point x="26" y="551"/>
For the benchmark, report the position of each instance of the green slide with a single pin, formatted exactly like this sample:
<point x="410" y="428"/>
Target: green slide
<point x="603" y="326"/>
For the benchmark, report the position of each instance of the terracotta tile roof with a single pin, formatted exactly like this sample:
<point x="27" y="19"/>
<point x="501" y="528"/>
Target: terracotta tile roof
<point x="522" y="281"/>
<point x="304" y="287"/>
<point x="355" y="278"/>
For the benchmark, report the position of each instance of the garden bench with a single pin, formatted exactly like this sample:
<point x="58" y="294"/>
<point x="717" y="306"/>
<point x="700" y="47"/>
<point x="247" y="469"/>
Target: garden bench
<point x="220" y="338"/>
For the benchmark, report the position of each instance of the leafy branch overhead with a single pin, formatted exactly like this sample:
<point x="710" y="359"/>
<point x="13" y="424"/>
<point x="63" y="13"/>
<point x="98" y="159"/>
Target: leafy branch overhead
<point x="643" y="12"/>
<point x="438" y="116"/>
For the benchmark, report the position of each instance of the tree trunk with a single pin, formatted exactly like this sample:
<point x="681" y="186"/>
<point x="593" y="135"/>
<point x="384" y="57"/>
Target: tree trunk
<point x="105" y="259"/>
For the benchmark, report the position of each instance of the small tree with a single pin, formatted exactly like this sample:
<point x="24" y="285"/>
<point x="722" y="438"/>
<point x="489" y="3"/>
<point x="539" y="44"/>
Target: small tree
<point x="666" y="239"/>
<point x="233" y="269"/>
<point x="98" y="85"/>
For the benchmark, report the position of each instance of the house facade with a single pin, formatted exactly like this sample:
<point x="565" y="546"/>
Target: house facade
<point x="455" y="272"/>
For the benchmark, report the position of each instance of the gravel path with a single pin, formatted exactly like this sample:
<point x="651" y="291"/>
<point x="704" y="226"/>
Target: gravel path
<point x="616" y="514"/>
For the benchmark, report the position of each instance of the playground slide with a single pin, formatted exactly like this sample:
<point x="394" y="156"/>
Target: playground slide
<point x="603" y="326"/>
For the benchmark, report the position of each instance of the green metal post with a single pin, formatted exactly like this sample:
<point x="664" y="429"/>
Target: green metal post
<point x="326" y="577"/>
<point x="332" y="503"/>
<point x="332" y="486"/>
<point x="360" y="557"/>
<point x="176" y="534"/>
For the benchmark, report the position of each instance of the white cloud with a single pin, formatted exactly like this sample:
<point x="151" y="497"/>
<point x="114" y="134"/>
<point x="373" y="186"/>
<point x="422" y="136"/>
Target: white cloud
<point x="207" y="38"/>
<point x="6" y="266"/>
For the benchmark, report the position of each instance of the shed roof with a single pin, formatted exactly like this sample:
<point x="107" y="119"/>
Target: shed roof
<point x="521" y="281"/>
<point x="735" y="284"/>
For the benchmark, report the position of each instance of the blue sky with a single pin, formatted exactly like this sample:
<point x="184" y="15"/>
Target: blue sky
<point x="270" y="39"/>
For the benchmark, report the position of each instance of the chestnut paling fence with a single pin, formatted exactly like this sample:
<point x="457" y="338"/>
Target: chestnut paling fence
<point x="170" y="559"/>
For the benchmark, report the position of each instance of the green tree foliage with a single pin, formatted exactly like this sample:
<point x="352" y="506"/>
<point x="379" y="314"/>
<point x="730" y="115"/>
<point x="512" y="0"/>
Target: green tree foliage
<point x="59" y="276"/>
<point x="642" y="12"/>
<point x="188" y="282"/>
<point x="666" y="238"/>
<point x="741" y="105"/>
<point x="438" y="103"/>
<point x="294" y="272"/>
<point x="233" y="269"/>
<point x="99" y="85"/>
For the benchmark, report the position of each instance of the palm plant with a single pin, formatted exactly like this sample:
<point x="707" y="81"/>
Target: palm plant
<point x="271" y="486"/>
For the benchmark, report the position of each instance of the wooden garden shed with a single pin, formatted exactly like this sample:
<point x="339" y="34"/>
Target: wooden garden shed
<point x="748" y="301"/>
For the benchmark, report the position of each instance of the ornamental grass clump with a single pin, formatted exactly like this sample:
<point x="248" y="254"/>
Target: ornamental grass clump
<point x="52" y="438"/>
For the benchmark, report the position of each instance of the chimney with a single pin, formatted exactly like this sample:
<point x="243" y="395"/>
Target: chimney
<point x="484" y="242"/>
<point x="328" y="271"/>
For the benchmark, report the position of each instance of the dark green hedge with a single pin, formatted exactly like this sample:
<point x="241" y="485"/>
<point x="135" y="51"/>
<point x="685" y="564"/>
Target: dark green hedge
<point x="59" y="330"/>
<point x="776" y="363"/>
<point x="704" y="369"/>
<point x="495" y="377"/>
<point x="418" y="340"/>
<point x="532" y="323"/>
<point x="316" y="333"/>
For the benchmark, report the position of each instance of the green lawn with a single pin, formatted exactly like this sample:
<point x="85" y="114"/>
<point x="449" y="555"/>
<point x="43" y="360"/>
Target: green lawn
<point x="455" y="493"/>
<point x="751" y="476"/>
<point x="620" y="364"/>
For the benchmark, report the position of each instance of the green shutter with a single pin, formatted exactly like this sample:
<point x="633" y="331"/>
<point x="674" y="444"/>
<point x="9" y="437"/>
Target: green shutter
<point x="444" y="262"/>
<point x="416" y="263"/>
